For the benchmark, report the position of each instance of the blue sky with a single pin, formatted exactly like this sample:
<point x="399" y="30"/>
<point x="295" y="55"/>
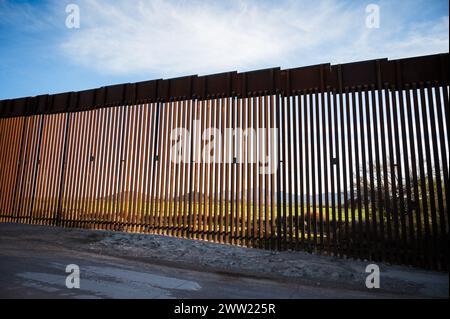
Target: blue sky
<point x="129" y="41"/>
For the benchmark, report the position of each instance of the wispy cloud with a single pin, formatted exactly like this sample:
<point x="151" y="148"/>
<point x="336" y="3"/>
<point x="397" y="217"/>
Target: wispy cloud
<point x="180" y="37"/>
<point x="176" y="37"/>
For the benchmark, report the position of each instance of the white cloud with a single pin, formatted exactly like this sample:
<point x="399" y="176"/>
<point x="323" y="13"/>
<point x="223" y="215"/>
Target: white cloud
<point x="171" y="38"/>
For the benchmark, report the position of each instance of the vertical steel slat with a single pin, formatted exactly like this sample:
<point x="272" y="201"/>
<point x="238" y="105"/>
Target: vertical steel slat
<point x="232" y="172"/>
<point x="424" y="206"/>
<point x="332" y="160"/>
<point x="201" y="193"/>
<point x="148" y="172"/>
<point x="319" y="110"/>
<point x="401" y="239"/>
<point x="191" y="159"/>
<point x="279" y="127"/>
<point x="159" y="141"/>
<point x="100" y="170"/>
<point x="351" y="240"/>
<point x="258" y="149"/>
<point x="117" y="145"/>
<point x="54" y="172"/>
<point x="14" y="167"/>
<point x="6" y="133"/>
<point x="92" y="168"/>
<point x="273" y="189"/>
<point x="137" y="166"/>
<point x="102" y="214"/>
<point x="245" y="234"/>
<point x="165" y="168"/>
<point x="71" y="168"/>
<point x="379" y="200"/>
<point x="152" y="170"/>
<point x="326" y="160"/>
<point x="350" y="103"/>
<point x="156" y="166"/>
<point x="109" y="219"/>
<point x="289" y="219"/>
<point x="10" y="164"/>
<point x="238" y="156"/>
<point x="36" y="170"/>
<point x="249" y="147"/>
<point x="223" y="181"/>
<point x="171" y="183"/>
<point x="78" y="171"/>
<point x="126" y="189"/>
<point x="177" y="180"/>
<point x="393" y="191"/>
<point x="308" y="108"/>
<point x="438" y="237"/>
<point x="295" y="225"/>
<point x="344" y="151"/>
<point x="88" y="165"/>
<point x="356" y="95"/>
<point x="19" y="166"/>
<point x="283" y="233"/>
<point x="160" y="176"/>
<point x="86" y="201"/>
<point x="415" y="209"/>
<point x="50" y="161"/>
<point x="179" y="213"/>
<point x="429" y="176"/>
<point x="267" y="154"/>
<point x="140" y="197"/>
<point x="131" y="170"/>
<point x="201" y="189"/>
<point x="444" y="162"/>
<point x="162" y="191"/>
<point x="63" y="170"/>
<point x="22" y="196"/>
<point x="206" y="166"/>
<point x="42" y="170"/>
<point x="302" y="162"/>
<point x="195" y="153"/>
<point x="364" y="219"/>
<point x="256" y="228"/>
<point x="220" y="171"/>
<point x="210" y="122"/>
<point x="340" y="160"/>
<point x="408" y="209"/>
<point x="83" y="155"/>
<point x="32" y="161"/>
<point x="313" y="112"/>
<point x="188" y="167"/>
<point x="226" y="114"/>
<point x="74" y="144"/>
<point x="217" y="153"/>
<point x="371" y="232"/>
<point x="27" y="161"/>
<point x="3" y="132"/>
<point x="385" y="201"/>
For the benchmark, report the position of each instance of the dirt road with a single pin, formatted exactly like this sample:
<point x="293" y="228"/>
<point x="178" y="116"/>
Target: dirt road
<point x="33" y="260"/>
